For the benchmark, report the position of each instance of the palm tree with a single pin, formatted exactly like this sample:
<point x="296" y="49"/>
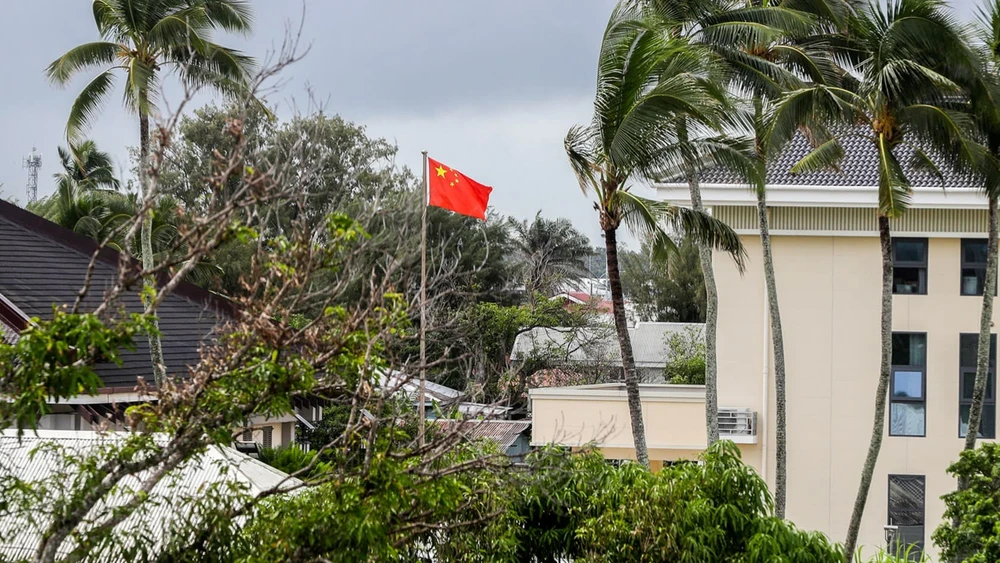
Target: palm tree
<point x="646" y="79"/>
<point x="984" y="101"/>
<point x="548" y="252"/>
<point x="83" y="189"/>
<point x="767" y="49"/>
<point x="141" y="38"/>
<point x="908" y="59"/>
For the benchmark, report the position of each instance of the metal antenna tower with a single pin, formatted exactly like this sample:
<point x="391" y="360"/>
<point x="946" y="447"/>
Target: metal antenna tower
<point x="32" y="162"/>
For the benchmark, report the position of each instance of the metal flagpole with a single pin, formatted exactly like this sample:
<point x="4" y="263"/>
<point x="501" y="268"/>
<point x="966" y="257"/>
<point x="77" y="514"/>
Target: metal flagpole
<point x="423" y="305"/>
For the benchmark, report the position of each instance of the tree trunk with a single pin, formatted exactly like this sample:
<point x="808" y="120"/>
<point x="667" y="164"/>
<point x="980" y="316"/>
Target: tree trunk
<point x="985" y="331"/>
<point x="146" y="248"/>
<point x="628" y="360"/>
<point x="778" y="342"/>
<point x="711" y="323"/>
<point x="878" y="428"/>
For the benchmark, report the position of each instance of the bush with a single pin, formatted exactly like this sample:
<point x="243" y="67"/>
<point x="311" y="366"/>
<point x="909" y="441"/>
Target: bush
<point x="971" y="528"/>
<point x="292" y="459"/>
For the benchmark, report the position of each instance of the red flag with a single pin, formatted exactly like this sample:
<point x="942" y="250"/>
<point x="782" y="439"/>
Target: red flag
<point x="453" y="190"/>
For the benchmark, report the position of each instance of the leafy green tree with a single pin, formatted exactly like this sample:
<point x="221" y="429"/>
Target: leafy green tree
<point x="646" y="81"/>
<point x="142" y="38"/>
<point x="686" y="363"/>
<point x="970" y="530"/>
<point x="912" y="58"/>
<point x="547" y="253"/>
<point x="665" y="291"/>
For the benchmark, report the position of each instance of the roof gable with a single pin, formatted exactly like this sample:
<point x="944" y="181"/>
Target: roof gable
<point x="45" y="265"/>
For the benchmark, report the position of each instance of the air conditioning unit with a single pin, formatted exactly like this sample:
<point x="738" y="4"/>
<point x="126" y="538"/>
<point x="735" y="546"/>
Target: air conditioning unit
<point x="738" y="425"/>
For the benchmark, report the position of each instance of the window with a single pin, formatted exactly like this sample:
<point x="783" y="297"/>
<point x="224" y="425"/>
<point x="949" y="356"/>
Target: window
<point x="909" y="266"/>
<point x="247" y="435"/>
<point x="973" y="266"/>
<point x="906" y="512"/>
<point x="907" y="400"/>
<point x="968" y="350"/>
<point x="268" y="430"/>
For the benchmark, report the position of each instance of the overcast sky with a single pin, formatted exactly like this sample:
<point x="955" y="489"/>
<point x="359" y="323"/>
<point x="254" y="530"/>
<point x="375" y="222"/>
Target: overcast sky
<point x="487" y="87"/>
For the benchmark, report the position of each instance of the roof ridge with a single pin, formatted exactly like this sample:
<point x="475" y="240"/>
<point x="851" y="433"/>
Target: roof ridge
<point x="87" y="247"/>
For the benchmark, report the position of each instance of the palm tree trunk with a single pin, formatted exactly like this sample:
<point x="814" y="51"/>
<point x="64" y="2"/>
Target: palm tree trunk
<point x="985" y="330"/>
<point x="628" y="360"/>
<point x="778" y="342"/>
<point x="878" y="428"/>
<point x="146" y="243"/>
<point x="711" y="323"/>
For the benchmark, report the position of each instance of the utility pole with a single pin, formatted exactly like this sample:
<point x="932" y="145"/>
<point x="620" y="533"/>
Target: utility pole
<point x="32" y="162"/>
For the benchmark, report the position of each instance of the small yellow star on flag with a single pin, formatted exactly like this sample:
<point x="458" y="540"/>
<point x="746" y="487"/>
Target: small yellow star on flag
<point x="440" y="171"/>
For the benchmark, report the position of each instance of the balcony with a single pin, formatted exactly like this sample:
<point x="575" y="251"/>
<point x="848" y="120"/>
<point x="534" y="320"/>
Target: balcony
<point x="673" y="415"/>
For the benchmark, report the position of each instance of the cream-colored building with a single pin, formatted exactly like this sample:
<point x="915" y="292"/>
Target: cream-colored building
<point x="828" y="270"/>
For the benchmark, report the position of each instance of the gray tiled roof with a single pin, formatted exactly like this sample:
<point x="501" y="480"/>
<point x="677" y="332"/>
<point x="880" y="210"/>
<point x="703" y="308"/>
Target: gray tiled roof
<point x="503" y="432"/>
<point x="595" y="344"/>
<point x="42" y="264"/>
<point x="859" y="168"/>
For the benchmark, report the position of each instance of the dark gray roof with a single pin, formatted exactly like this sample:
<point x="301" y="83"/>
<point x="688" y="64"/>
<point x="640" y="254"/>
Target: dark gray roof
<point x="44" y="264"/>
<point x="859" y="168"/>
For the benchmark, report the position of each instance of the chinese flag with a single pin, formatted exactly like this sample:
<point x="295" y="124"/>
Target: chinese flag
<point x="453" y="190"/>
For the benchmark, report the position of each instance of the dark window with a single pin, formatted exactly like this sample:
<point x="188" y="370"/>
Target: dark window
<point x="909" y="266"/>
<point x="973" y="266"/>
<point x="247" y="435"/>
<point x="268" y="430"/>
<point x="907" y="394"/>
<point x="968" y="350"/>
<point x="906" y="512"/>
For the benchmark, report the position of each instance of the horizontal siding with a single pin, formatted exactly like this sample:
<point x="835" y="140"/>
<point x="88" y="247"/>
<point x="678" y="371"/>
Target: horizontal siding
<point x="854" y="219"/>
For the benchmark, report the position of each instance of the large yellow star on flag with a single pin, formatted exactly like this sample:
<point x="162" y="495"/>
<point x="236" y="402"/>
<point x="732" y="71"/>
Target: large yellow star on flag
<point x="440" y="171"/>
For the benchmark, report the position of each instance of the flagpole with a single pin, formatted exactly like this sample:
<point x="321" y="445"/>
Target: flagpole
<point x="423" y="304"/>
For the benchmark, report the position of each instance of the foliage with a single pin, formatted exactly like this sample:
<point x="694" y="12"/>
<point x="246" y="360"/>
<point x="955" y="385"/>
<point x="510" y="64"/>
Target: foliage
<point x="578" y="506"/>
<point x="670" y="291"/>
<point x="548" y="253"/>
<point x="293" y="459"/>
<point x="686" y="363"/>
<point x="970" y="530"/>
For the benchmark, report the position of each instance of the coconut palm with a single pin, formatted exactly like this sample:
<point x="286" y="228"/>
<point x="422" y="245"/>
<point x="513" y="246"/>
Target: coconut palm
<point x="83" y="189"/>
<point x="908" y="60"/>
<point x="143" y="38"/>
<point x="983" y="95"/>
<point x="548" y="252"/>
<point x="646" y="79"/>
<point x="766" y="49"/>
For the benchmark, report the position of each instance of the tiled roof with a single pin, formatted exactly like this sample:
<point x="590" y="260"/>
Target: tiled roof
<point x="169" y="503"/>
<point x="44" y="264"/>
<point x="859" y="168"/>
<point x="503" y="432"/>
<point x="595" y="344"/>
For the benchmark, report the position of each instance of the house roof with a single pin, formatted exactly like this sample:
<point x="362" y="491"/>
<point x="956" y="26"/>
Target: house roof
<point x="594" y="344"/>
<point x="25" y="459"/>
<point x="859" y="168"/>
<point x="503" y="432"/>
<point x="399" y="382"/>
<point x="45" y="265"/>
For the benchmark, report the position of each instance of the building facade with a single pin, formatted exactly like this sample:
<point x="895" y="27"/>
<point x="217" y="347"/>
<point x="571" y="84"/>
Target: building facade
<point x="827" y="264"/>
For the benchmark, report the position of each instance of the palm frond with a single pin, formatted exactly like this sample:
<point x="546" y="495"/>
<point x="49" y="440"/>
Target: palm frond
<point x="707" y="230"/>
<point x="826" y="156"/>
<point x="894" y="187"/>
<point x="88" y="103"/>
<point x="235" y="16"/>
<point x="582" y="158"/>
<point x="82" y="57"/>
<point x="920" y="162"/>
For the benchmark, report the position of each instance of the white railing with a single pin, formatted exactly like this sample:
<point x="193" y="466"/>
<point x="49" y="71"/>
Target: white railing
<point x="738" y="425"/>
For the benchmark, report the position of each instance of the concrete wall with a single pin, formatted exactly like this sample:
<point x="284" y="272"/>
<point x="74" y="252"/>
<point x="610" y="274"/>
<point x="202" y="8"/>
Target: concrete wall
<point x="829" y="291"/>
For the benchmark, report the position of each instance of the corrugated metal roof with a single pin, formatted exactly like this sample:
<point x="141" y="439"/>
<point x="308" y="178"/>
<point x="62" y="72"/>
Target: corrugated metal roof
<point x="596" y="344"/>
<point x="503" y="432"/>
<point x="859" y="168"/>
<point x="169" y="504"/>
